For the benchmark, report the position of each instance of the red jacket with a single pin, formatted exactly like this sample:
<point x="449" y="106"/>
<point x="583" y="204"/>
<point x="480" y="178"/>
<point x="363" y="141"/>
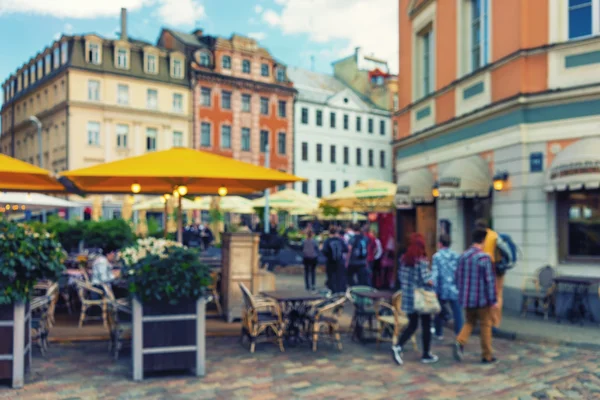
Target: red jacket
<point x="371" y="247"/>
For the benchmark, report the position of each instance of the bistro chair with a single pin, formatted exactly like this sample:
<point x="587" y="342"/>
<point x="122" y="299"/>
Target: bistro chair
<point x="261" y="316"/>
<point x="541" y="290"/>
<point x="214" y="290"/>
<point x="51" y="291"/>
<point x="40" y="322"/>
<point x="325" y="316"/>
<point x="120" y="326"/>
<point x="392" y="320"/>
<point x="84" y="291"/>
<point x="64" y="290"/>
<point x="364" y="310"/>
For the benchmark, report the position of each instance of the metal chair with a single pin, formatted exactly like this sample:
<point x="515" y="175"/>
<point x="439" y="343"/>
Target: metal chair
<point x="216" y="298"/>
<point x="392" y="320"/>
<point x="540" y="290"/>
<point x="84" y="291"/>
<point x="325" y="316"/>
<point x="40" y="324"/>
<point x="261" y="316"/>
<point x="364" y="310"/>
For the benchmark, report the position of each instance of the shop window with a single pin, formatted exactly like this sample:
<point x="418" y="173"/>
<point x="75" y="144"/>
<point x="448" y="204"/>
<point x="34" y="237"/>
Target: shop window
<point x="579" y="224"/>
<point x="473" y="210"/>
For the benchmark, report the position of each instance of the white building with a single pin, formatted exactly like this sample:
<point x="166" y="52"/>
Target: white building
<point x="341" y="138"/>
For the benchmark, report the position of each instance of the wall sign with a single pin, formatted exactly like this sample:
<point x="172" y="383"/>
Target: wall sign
<point x="536" y="162"/>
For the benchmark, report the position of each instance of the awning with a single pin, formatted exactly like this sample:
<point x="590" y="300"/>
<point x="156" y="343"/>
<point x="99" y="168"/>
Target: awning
<point x="415" y="187"/>
<point x="465" y="177"/>
<point x="576" y="167"/>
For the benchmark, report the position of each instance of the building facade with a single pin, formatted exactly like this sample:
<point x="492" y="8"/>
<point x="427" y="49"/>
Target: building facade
<point x="242" y="98"/>
<point x="509" y="90"/>
<point x="341" y="137"/>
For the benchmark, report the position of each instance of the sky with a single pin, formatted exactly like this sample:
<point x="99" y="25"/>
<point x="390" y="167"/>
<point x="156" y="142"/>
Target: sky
<point x="293" y="31"/>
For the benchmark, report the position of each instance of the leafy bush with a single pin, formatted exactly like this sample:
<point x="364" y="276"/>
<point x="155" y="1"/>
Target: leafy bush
<point x="26" y="257"/>
<point x="174" y="275"/>
<point x="109" y="235"/>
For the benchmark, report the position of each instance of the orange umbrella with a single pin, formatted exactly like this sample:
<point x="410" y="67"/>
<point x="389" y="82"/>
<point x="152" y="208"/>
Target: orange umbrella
<point x="19" y="176"/>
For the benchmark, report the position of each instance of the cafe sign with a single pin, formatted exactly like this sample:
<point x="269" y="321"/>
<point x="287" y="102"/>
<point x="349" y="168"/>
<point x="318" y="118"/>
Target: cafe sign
<point x="575" y="168"/>
<point x="449" y="182"/>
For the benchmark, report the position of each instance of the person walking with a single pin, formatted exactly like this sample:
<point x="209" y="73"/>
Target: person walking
<point x="334" y="249"/>
<point x="414" y="274"/>
<point x="310" y="254"/>
<point x="443" y="271"/>
<point x="357" y="261"/>
<point x="476" y="282"/>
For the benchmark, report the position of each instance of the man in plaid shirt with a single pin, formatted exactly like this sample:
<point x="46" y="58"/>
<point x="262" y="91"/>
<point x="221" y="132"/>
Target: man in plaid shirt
<point x="476" y="284"/>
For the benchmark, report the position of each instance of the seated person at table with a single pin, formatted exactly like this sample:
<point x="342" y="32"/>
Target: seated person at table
<point x="102" y="271"/>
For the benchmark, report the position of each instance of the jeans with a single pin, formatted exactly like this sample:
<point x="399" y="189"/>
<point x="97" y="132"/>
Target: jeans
<point x="361" y="272"/>
<point x="484" y="316"/>
<point x="336" y="277"/>
<point x="310" y="265"/>
<point x="456" y="315"/>
<point x="413" y="323"/>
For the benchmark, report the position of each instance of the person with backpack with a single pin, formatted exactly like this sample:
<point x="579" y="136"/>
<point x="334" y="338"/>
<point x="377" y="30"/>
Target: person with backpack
<point x="310" y="254"/>
<point x="334" y="249"/>
<point x="357" y="262"/>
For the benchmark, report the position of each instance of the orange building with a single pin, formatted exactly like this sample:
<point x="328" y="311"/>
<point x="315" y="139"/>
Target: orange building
<point x="242" y="98"/>
<point x="509" y="90"/>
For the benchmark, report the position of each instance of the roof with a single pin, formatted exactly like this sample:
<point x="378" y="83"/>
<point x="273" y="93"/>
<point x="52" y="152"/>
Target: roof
<point x="189" y="39"/>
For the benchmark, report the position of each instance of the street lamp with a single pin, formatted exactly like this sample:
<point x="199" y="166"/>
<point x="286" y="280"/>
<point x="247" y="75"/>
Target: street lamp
<point x="38" y="124"/>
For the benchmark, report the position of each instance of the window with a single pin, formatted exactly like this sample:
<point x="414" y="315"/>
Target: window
<point x="382" y="127"/>
<point x="56" y="57"/>
<point x="426" y="63"/>
<point x="580" y="222"/>
<point x="177" y="139"/>
<point x="264" y="69"/>
<point x="226" y="137"/>
<point x="395" y="102"/>
<point x="370" y="125"/>
<point x="332" y="120"/>
<point x="281" y="143"/>
<point x="48" y="63"/>
<point x="205" y="97"/>
<point x="177" y="69"/>
<point x="177" y="102"/>
<point x="304" y="151"/>
<point x="304" y="118"/>
<point x="371" y="161"/>
<point x="332" y="154"/>
<point x="205" y="134"/>
<point x="382" y="159"/>
<point x="123" y="94"/>
<point x="122" y="133"/>
<point x="64" y="52"/>
<point x="246" y="66"/>
<point x="245" y="139"/>
<point x="93" y="53"/>
<point x="305" y="187"/>
<point x="151" y="64"/>
<point x="584" y="18"/>
<point x="94" y="90"/>
<point x="93" y="133"/>
<point x="319" y="188"/>
<point x="226" y="62"/>
<point x="264" y="106"/>
<point x="122" y="59"/>
<point x="358" y="124"/>
<point x="25" y="79"/>
<point x="358" y="157"/>
<point x="40" y="68"/>
<point x="282" y="108"/>
<point x="332" y="188"/>
<point x="226" y="100"/>
<point x="204" y="59"/>
<point x="346" y="122"/>
<point x="346" y="184"/>
<point x="319" y="118"/>
<point x="319" y="153"/>
<point x="280" y="74"/>
<point x="152" y="99"/>
<point x="151" y="134"/>
<point x="246" y="98"/>
<point x="346" y="155"/>
<point x="32" y="73"/>
<point x="264" y="141"/>
<point x="479" y="33"/>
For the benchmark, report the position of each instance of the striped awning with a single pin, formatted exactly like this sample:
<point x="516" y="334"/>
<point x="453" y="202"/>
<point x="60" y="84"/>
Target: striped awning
<point x="465" y="177"/>
<point x="415" y="187"/>
<point x="576" y="167"/>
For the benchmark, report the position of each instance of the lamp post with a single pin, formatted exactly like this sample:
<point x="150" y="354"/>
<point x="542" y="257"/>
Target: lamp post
<point x="267" y="219"/>
<point x="38" y="124"/>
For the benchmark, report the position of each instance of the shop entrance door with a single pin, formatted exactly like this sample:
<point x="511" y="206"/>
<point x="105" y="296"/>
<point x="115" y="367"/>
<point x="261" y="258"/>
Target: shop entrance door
<point x="474" y="209"/>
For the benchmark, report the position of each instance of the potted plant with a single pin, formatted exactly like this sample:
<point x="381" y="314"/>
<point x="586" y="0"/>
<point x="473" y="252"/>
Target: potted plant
<point x="168" y="283"/>
<point x="26" y="257"/>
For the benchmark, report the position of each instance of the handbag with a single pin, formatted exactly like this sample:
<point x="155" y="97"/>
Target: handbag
<point x="426" y="302"/>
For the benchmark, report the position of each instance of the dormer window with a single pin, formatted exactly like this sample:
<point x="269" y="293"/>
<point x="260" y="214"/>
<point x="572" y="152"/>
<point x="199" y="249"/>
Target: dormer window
<point x="177" y="68"/>
<point x="56" y="56"/>
<point x="280" y="74"/>
<point x="122" y="58"/>
<point x="226" y="62"/>
<point x="32" y="73"/>
<point x="151" y="64"/>
<point x="93" y="54"/>
<point x="48" y="63"/>
<point x="64" y="52"/>
<point x="40" y="68"/>
<point x="204" y="59"/>
<point x="264" y="69"/>
<point x="25" y="79"/>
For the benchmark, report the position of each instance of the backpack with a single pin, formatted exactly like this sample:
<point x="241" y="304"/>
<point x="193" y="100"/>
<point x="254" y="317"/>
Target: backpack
<point x="335" y="251"/>
<point x="359" y="247"/>
<point x="507" y="254"/>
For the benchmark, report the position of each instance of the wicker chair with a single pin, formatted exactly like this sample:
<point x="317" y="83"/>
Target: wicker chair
<point x="216" y="298"/>
<point x="363" y="309"/>
<point x="84" y="290"/>
<point x="325" y="316"/>
<point x="51" y="291"/>
<point x="40" y="324"/>
<point x="119" y="322"/>
<point x="540" y="290"/>
<point x="261" y="316"/>
<point x="391" y="320"/>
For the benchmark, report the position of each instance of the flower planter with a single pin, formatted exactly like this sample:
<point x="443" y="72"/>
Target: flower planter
<point x="169" y="337"/>
<point x="15" y="343"/>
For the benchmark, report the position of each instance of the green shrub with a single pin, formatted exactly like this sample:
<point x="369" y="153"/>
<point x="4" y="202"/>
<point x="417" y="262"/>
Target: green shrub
<point x="109" y="235"/>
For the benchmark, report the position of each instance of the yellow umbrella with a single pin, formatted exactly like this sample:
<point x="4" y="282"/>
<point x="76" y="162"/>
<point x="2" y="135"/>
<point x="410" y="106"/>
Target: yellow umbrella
<point x="19" y="176"/>
<point x="288" y="200"/>
<point x="159" y="204"/>
<point x="230" y="204"/>
<point x="365" y="196"/>
<point x="339" y="217"/>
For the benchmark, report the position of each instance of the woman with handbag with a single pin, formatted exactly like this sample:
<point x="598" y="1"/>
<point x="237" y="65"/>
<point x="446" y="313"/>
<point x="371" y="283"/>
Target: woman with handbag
<point x="417" y="301"/>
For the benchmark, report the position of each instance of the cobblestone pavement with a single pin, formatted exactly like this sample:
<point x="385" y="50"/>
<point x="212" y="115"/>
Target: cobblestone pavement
<point x="525" y="371"/>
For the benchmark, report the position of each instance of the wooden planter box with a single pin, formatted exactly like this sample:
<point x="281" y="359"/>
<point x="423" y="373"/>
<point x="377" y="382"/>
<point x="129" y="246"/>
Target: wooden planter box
<point x="15" y="343"/>
<point x="169" y="337"/>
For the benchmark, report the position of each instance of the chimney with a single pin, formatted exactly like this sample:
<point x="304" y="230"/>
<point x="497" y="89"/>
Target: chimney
<point x="198" y="32"/>
<point x="123" y="24"/>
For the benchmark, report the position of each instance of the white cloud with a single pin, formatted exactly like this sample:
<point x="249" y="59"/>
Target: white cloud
<point x="258" y="8"/>
<point x="257" y="35"/>
<point x="181" y="12"/>
<point x="68" y="29"/>
<point x="370" y="24"/>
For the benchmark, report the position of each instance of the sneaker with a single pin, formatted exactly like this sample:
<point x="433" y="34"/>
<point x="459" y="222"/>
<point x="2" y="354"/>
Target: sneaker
<point x="397" y="354"/>
<point x="430" y="359"/>
<point x="459" y="351"/>
<point x="440" y="337"/>
<point x="493" y="360"/>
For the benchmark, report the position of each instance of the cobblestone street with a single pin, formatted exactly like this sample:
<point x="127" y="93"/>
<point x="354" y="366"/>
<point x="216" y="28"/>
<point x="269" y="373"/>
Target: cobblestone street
<point x="525" y="371"/>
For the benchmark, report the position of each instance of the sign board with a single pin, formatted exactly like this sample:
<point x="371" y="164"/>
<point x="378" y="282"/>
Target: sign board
<point x="536" y="162"/>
